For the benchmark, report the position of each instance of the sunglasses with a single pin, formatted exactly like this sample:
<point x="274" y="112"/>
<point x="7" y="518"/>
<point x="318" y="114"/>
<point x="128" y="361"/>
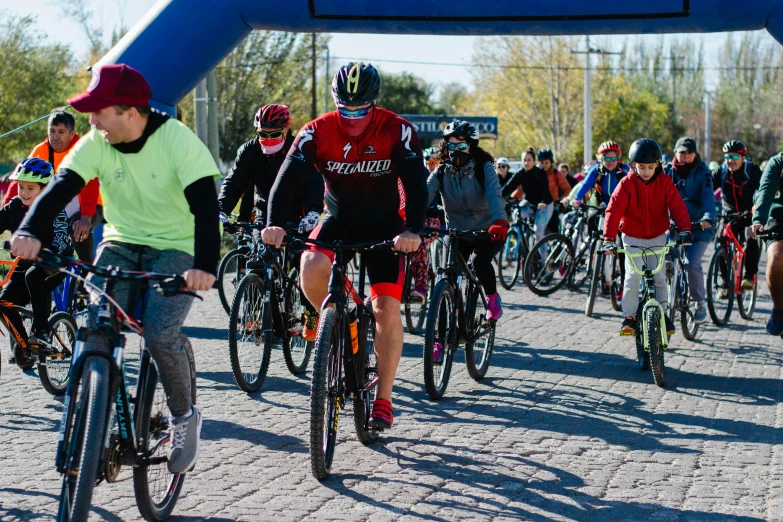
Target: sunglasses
<point x="264" y="135"/>
<point x="359" y="113"/>
<point x="454" y="146"/>
<point x="502" y="166"/>
<point x="610" y="159"/>
<point x="732" y="157"/>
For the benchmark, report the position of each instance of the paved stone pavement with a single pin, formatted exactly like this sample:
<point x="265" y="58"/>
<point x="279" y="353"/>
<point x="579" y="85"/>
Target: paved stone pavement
<point x="564" y="427"/>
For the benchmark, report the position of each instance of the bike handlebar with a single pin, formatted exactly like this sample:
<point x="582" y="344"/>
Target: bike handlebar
<point x="650" y="251"/>
<point x="452" y="232"/>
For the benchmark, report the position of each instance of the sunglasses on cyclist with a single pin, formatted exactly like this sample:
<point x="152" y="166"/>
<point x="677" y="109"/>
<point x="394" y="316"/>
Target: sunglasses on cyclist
<point x="270" y="135"/>
<point x="461" y="146"/>
<point x="609" y="159"/>
<point x="502" y="166"/>
<point x="359" y="113"/>
<point x="732" y="157"/>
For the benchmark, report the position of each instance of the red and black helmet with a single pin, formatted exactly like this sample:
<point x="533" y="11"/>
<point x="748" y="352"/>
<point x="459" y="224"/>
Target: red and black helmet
<point x="272" y="116"/>
<point x="609" y="146"/>
<point x="735" y="146"/>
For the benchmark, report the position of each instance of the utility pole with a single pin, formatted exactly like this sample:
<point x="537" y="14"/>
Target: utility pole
<point x="213" y="135"/>
<point x="588" y="101"/>
<point x="674" y="60"/>
<point x="200" y="106"/>
<point x="707" y="128"/>
<point x="314" y="109"/>
<point x="327" y="83"/>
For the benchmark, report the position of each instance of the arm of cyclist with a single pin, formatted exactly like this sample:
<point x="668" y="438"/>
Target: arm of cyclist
<point x="246" y="204"/>
<point x="412" y="173"/>
<point x="512" y="185"/>
<point x="236" y="184"/>
<point x="63" y="188"/>
<point x="88" y="205"/>
<point x="677" y="208"/>
<point x="707" y="202"/>
<point x="587" y="184"/>
<point x="766" y="196"/>
<point x="202" y="200"/>
<point x="496" y="203"/>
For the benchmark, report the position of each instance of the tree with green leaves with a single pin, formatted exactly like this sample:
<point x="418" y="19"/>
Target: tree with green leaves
<point x="406" y="93"/>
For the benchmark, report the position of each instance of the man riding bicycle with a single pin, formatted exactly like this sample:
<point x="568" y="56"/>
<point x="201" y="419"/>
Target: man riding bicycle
<point x="362" y="151"/>
<point x="157" y="179"/>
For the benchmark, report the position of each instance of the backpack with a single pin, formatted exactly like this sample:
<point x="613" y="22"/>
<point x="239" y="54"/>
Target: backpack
<point x="479" y="174"/>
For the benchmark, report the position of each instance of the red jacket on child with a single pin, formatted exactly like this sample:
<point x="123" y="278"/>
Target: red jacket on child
<point x="641" y="208"/>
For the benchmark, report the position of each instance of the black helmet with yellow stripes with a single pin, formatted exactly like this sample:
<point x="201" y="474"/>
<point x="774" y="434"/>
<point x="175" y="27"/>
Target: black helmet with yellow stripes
<point x="355" y="84"/>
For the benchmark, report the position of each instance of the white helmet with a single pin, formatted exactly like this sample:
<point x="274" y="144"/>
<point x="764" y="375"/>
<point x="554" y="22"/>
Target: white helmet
<point x="502" y="161"/>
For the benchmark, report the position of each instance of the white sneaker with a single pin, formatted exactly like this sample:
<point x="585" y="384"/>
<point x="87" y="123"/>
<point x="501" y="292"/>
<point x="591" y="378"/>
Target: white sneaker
<point x="185" y="434"/>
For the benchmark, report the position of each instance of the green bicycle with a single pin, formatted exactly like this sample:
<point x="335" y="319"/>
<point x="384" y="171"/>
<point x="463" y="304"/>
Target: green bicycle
<point x="652" y="339"/>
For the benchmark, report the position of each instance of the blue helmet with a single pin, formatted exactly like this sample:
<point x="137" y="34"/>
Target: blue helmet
<point x="34" y="170"/>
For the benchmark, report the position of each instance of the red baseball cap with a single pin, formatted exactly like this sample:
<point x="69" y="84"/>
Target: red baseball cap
<point x="116" y="84"/>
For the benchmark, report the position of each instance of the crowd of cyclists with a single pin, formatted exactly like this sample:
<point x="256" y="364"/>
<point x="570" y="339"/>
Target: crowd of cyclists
<point x="357" y="175"/>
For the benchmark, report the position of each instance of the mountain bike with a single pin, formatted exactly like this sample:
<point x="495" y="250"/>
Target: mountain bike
<point x="89" y="450"/>
<point x="232" y="267"/>
<point x="652" y="339"/>
<point x="344" y="363"/>
<point x="520" y="238"/>
<point x="724" y="278"/>
<point x="456" y="315"/>
<point x="680" y="300"/>
<point x="268" y="305"/>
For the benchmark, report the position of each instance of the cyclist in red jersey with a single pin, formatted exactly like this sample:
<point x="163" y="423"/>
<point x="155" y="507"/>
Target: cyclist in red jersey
<point x="362" y="151"/>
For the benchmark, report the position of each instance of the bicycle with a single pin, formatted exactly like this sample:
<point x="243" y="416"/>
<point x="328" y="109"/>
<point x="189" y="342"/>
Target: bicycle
<point x="88" y="450"/>
<point x="344" y="363"/>
<point x="232" y="267"/>
<point x="652" y="339"/>
<point x="517" y="246"/>
<point x="680" y="300"/>
<point x="268" y="304"/>
<point x="54" y="362"/>
<point x="596" y="270"/>
<point x="549" y="264"/>
<point x="724" y="278"/>
<point x="452" y="320"/>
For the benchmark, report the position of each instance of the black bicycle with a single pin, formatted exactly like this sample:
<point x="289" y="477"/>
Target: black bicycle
<point x="268" y="305"/>
<point x="680" y="299"/>
<point x="89" y="450"/>
<point x="232" y="267"/>
<point x="344" y="363"/>
<point x="456" y="316"/>
<point x="519" y="239"/>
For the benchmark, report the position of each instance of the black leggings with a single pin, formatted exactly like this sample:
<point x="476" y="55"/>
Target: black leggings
<point x="30" y="285"/>
<point x="481" y="252"/>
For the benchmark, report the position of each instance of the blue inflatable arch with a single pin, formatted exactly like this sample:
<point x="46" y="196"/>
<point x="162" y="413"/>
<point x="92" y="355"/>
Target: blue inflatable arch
<point x="178" y="42"/>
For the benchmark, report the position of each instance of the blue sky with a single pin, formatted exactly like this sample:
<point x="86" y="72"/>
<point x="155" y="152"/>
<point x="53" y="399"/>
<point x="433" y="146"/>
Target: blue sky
<point x="373" y="46"/>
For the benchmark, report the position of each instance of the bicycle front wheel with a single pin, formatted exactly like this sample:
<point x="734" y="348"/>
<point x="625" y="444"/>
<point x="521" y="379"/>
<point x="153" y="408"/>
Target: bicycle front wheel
<point x="720" y="287"/>
<point x="746" y="301"/>
<point x="230" y="274"/>
<point x="156" y="489"/>
<point x="439" y="340"/>
<point x="549" y="264"/>
<point x="54" y="368"/>
<point x="616" y="285"/>
<point x="86" y="441"/>
<point x="296" y="351"/>
<point x="509" y="262"/>
<point x="365" y="362"/>
<point x="653" y="318"/>
<point x="478" y="352"/>
<point x="325" y="395"/>
<point x="688" y="311"/>
<point x="250" y="335"/>
<point x="596" y="271"/>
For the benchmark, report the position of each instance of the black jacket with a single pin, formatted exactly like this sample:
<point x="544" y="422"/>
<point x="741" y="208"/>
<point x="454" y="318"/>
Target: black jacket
<point x="254" y="167"/>
<point x="741" y="185"/>
<point x="535" y="185"/>
<point x="56" y="237"/>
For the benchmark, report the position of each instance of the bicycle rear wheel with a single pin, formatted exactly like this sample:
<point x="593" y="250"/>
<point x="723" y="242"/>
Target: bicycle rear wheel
<point x="54" y="368"/>
<point x="230" y="274"/>
<point x="250" y="335"/>
<point x="478" y="353"/>
<point x="296" y="351"/>
<point x="440" y="329"/>
<point x="86" y="441"/>
<point x="156" y="489"/>
<point x="595" y="265"/>
<point x="746" y="301"/>
<point x="653" y="318"/>
<point x="549" y="264"/>
<point x="325" y="394"/>
<point x="720" y="289"/>
<point x="509" y="262"/>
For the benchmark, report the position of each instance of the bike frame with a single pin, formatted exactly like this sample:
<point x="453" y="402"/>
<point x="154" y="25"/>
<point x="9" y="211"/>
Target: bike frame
<point x="649" y="298"/>
<point x="737" y="255"/>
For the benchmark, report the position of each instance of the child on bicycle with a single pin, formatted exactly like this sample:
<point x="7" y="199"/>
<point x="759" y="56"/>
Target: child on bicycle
<point x="30" y="283"/>
<point x="640" y="208"/>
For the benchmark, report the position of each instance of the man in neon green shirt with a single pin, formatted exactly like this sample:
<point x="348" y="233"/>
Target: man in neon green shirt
<point x="162" y="216"/>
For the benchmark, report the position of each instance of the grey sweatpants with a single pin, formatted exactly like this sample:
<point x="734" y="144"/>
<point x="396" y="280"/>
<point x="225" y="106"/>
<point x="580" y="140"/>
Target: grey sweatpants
<point x="634" y="281"/>
<point x="163" y="316"/>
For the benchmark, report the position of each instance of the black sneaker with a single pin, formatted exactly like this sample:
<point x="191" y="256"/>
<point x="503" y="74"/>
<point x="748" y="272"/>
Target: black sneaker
<point x="669" y="326"/>
<point x="775" y="322"/>
<point x="41" y="341"/>
<point x="629" y="327"/>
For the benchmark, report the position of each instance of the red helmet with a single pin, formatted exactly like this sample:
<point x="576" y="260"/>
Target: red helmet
<point x="272" y="116"/>
<point x="609" y="145"/>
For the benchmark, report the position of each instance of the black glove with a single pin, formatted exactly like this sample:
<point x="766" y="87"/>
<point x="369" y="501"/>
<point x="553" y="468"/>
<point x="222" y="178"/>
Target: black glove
<point x="686" y="238"/>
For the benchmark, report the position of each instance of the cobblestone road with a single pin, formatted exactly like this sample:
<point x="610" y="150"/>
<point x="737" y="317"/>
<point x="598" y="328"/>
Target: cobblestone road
<point x="565" y="427"/>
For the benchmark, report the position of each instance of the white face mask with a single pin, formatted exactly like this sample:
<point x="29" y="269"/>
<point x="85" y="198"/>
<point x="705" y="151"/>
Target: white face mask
<point x="273" y="149"/>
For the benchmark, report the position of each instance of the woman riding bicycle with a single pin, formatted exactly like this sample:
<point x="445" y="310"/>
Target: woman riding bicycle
<point x="471" y="194"/>
<point x="694" y="181"/>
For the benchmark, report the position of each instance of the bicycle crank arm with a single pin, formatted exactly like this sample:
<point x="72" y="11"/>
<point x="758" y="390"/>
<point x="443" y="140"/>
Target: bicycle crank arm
<point x="370" y="384"/>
